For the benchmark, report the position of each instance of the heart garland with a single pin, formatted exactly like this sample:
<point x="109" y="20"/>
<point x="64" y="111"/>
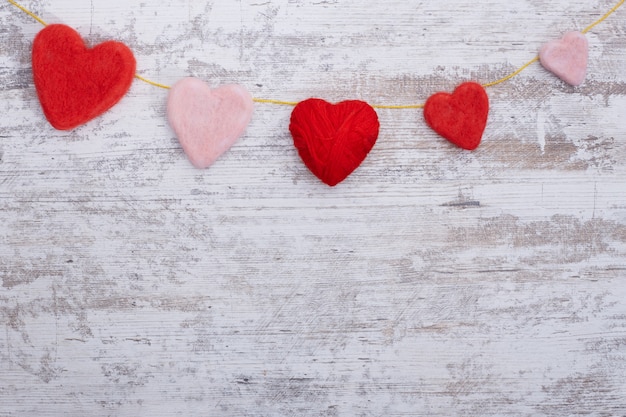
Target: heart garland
<point x="76" y="84"/>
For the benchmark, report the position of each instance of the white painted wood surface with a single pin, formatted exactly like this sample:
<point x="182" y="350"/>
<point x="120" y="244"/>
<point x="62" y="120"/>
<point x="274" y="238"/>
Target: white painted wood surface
<point x="432" y="282"/>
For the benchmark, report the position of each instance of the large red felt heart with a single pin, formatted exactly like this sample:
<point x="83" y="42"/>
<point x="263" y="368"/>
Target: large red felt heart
<point x="333" y="140"/>
<point x="460" y="117"/>
<point x="74" y="83"/>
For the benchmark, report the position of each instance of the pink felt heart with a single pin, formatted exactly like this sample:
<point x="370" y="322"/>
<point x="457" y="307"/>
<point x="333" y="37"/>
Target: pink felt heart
<point x="207" y="121"/>
<point x="567" y="57"/>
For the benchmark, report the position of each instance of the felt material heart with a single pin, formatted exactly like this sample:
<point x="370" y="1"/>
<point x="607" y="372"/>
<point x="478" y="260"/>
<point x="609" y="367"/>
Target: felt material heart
<point x="207" y="122"/>
<point x="460" y="117"/>
<point x="74" y="83"/>
<point x="333" y="140"/>
<point x="567" y="57"/>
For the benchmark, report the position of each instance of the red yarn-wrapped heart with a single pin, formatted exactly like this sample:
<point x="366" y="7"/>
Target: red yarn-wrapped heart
<point x="74" y="83"/>
<point x="460" y="117"/>
<point x="333" y="140"/>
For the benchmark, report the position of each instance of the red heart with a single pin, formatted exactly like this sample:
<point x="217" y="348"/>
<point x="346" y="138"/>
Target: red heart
<point x="460" y="117"/>
<point x="333" y="140"/>
<point x="74" y="83"/>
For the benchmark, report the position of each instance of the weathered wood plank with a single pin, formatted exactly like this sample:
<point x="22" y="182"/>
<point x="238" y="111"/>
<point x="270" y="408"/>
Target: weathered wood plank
<point x="433" y="281"/>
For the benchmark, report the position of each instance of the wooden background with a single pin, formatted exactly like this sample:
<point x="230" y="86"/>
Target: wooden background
<point x="432" y="282"/>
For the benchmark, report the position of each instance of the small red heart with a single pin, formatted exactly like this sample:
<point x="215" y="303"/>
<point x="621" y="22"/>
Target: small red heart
<point x="460" y="117"/>
<point x="333" y="139"/>
<point x="74" y="83"/>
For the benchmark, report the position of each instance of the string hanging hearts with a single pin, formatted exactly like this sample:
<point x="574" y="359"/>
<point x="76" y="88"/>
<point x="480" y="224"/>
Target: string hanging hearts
<point x="333" y="140"/>
<point x="74" y="83"/>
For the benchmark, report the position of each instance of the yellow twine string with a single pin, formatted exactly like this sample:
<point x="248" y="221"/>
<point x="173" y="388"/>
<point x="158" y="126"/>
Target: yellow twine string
<point x="28" y="12"/>
<point x="377" y="106"/>
<point x="145" y="80"/>
<point x="400" y="107"/>
<point x="279" y="102"/>
<point x="513" y="74"/>
<point x="603" y="18"/>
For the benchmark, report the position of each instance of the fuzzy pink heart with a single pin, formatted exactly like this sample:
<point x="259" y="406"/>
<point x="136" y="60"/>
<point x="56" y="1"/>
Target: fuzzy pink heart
<point x="207" y="121"/>
<point x="567" y="57"/>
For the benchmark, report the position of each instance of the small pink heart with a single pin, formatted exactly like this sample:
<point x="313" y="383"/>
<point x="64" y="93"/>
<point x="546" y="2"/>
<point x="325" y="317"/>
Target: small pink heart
<point x="207" y="121"/>
<point x="567" y="57"/>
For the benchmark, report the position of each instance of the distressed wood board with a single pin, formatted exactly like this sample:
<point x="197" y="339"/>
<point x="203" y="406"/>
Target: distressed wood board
<point x="432" y="282"/>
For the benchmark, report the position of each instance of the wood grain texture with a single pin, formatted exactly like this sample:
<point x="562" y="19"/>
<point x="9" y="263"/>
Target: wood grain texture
<point x="432" y="282"/>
